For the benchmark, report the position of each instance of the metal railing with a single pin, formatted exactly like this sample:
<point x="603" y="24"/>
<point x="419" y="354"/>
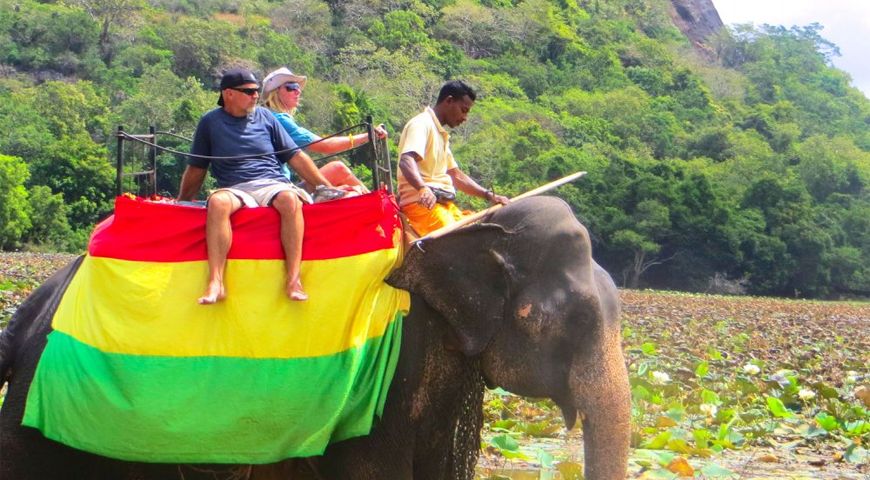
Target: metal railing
<point x="150" y="173"/>
<point x="374" y="154"/>
<point x="382" y="169"/>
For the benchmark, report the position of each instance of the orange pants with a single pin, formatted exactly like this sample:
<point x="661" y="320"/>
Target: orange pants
<point x="424" y="220"/>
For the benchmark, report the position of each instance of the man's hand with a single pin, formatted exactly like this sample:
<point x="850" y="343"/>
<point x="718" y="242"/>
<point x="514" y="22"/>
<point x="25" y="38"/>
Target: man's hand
<point x="307" y="170"/>
<point x="427" y="197"/>
<point x="467" y="185"/>
<point x="493" y="198"/>
<point x="191" y="182"/>
<point x="408" y="166"/>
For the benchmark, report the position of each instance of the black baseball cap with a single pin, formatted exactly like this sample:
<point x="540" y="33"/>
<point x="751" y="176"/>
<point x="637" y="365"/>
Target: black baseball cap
<point x="235" y="77"/>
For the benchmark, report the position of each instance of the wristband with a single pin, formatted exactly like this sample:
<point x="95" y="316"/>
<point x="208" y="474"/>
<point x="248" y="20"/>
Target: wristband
<point x="488" y="195"/>
<point x="350" y="137"/>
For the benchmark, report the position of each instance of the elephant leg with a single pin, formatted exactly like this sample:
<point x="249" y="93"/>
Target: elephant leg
<point x="364" y="458"/>
<point x="24" y="453"/>
<point x="292" y="469"/>
<point x="603" y="396"/>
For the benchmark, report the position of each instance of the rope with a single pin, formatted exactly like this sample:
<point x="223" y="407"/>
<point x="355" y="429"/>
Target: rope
<point x="173" y="134"/>
<point x="134" y="138"/>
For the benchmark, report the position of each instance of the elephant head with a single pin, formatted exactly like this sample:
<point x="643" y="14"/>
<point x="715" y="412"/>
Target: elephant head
<point x="521" y="292"/>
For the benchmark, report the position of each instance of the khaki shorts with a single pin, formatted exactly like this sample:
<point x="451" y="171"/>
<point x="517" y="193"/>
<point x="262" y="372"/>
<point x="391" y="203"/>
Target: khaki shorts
<point x="260" y="193"/>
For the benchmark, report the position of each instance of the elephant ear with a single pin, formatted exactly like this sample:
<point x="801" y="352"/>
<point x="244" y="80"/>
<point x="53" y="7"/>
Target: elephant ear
<point x="464" y="277"/>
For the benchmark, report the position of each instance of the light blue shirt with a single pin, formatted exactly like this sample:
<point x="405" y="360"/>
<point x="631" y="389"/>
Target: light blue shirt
<point x="301" y="136"/>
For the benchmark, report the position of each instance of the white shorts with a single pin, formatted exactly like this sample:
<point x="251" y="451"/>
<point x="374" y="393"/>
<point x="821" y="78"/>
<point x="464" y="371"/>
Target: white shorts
<point x="260" y="193"/>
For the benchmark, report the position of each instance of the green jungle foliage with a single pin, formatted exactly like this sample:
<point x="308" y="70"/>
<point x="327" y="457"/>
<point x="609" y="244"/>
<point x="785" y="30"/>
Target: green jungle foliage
<point x="742" y="169"/>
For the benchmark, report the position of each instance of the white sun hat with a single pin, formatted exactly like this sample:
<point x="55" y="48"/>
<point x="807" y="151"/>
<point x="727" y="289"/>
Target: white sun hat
<point x="280" y="77"/>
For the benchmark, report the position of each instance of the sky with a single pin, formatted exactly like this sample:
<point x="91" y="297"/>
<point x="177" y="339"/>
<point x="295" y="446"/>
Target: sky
<point x="846" y="23"/>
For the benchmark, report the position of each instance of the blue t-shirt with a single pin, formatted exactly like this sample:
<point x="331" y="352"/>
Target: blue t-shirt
<point x="259" y="135"/>
<point x="302" y="136"/>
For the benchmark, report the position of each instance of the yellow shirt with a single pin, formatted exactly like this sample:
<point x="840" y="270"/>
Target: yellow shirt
<point x="425" y="136"/>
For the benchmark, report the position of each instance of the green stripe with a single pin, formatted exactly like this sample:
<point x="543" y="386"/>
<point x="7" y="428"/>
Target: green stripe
<point x="208" y="409"/>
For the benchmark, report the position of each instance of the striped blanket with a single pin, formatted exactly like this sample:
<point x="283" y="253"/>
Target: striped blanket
<point x="135" y="369"/>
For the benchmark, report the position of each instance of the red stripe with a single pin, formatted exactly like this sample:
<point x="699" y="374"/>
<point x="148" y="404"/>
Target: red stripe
<point x="160" y="232"/>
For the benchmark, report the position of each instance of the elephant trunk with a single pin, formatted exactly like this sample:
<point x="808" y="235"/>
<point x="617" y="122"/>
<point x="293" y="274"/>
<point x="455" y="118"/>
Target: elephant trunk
<point x="602" y="394"/>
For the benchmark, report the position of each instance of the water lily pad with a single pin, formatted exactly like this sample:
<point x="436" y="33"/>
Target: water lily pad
<point x="777" y="408"/>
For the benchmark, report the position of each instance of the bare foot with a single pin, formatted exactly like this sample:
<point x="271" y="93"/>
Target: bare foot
<point x="295" y="292"/>
<point x="213" y="294"/>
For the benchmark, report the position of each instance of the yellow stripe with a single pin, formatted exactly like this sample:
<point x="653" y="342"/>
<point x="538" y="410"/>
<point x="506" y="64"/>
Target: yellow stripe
<point x="150" y="308"/>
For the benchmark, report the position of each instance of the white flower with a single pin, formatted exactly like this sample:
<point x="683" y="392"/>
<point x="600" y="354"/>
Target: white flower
<point x="751" y="369"/>
<point x="708" y="409"/>
<point x="806" y="394"/>
<point x="661" y="377"/>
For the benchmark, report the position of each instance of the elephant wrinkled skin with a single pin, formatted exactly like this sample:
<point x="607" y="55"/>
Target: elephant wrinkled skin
<point x="515" y="301"/>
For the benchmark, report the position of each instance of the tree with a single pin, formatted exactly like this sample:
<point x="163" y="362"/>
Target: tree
<point x="850" y="273"/>
<point x="51" y="37"/>
<point x="825" y="165"/>
<point x="400" y="29"/>
<point x="394" y="82"/>
<point x="281" y="50"/>
<point x="202" y="47"/>
<point x="476" y="29"/>
<point x="109" y="14"/>
<point x="78" y="169"/>
<point x="649" y="223"/>
<point x="24" y="131"/>
<point x="351" y="107"/>
<point x="800" y="243"/>
<point x="72" y="109"/>
<point x="50" y="228"/>
<point x="701" y="231"/>
<point x="164" y="100"/>
<point x="14" y="209"/>
<point x="307" y="22"/>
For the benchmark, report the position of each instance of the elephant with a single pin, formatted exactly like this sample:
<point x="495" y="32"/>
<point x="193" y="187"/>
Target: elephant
<point x="515" y="301"/>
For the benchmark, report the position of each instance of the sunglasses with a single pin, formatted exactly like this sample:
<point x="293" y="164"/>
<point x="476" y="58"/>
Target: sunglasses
<point x="247" y="91"/>
<point x="292" y="86"/>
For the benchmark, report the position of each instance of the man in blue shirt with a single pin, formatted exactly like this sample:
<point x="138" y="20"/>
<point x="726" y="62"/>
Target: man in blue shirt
<point x="247" y="146"/>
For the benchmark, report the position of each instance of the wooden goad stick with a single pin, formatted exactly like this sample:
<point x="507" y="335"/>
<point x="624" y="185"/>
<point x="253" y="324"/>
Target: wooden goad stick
<point x="477" y="216"/>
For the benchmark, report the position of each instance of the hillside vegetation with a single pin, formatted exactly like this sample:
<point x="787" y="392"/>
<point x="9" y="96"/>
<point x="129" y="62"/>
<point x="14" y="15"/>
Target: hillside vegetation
<point x="741" y="169"/>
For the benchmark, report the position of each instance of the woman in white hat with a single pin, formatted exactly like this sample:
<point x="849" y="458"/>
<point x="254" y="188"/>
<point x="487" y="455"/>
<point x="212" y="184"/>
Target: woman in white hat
<point x="281" y="91"/>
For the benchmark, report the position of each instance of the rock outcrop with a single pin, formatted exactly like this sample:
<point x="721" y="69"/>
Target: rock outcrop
<point x="697" y="19"/>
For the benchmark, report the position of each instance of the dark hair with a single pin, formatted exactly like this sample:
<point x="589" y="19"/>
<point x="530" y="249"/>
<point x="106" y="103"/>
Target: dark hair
<point x="456" y="89"/>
